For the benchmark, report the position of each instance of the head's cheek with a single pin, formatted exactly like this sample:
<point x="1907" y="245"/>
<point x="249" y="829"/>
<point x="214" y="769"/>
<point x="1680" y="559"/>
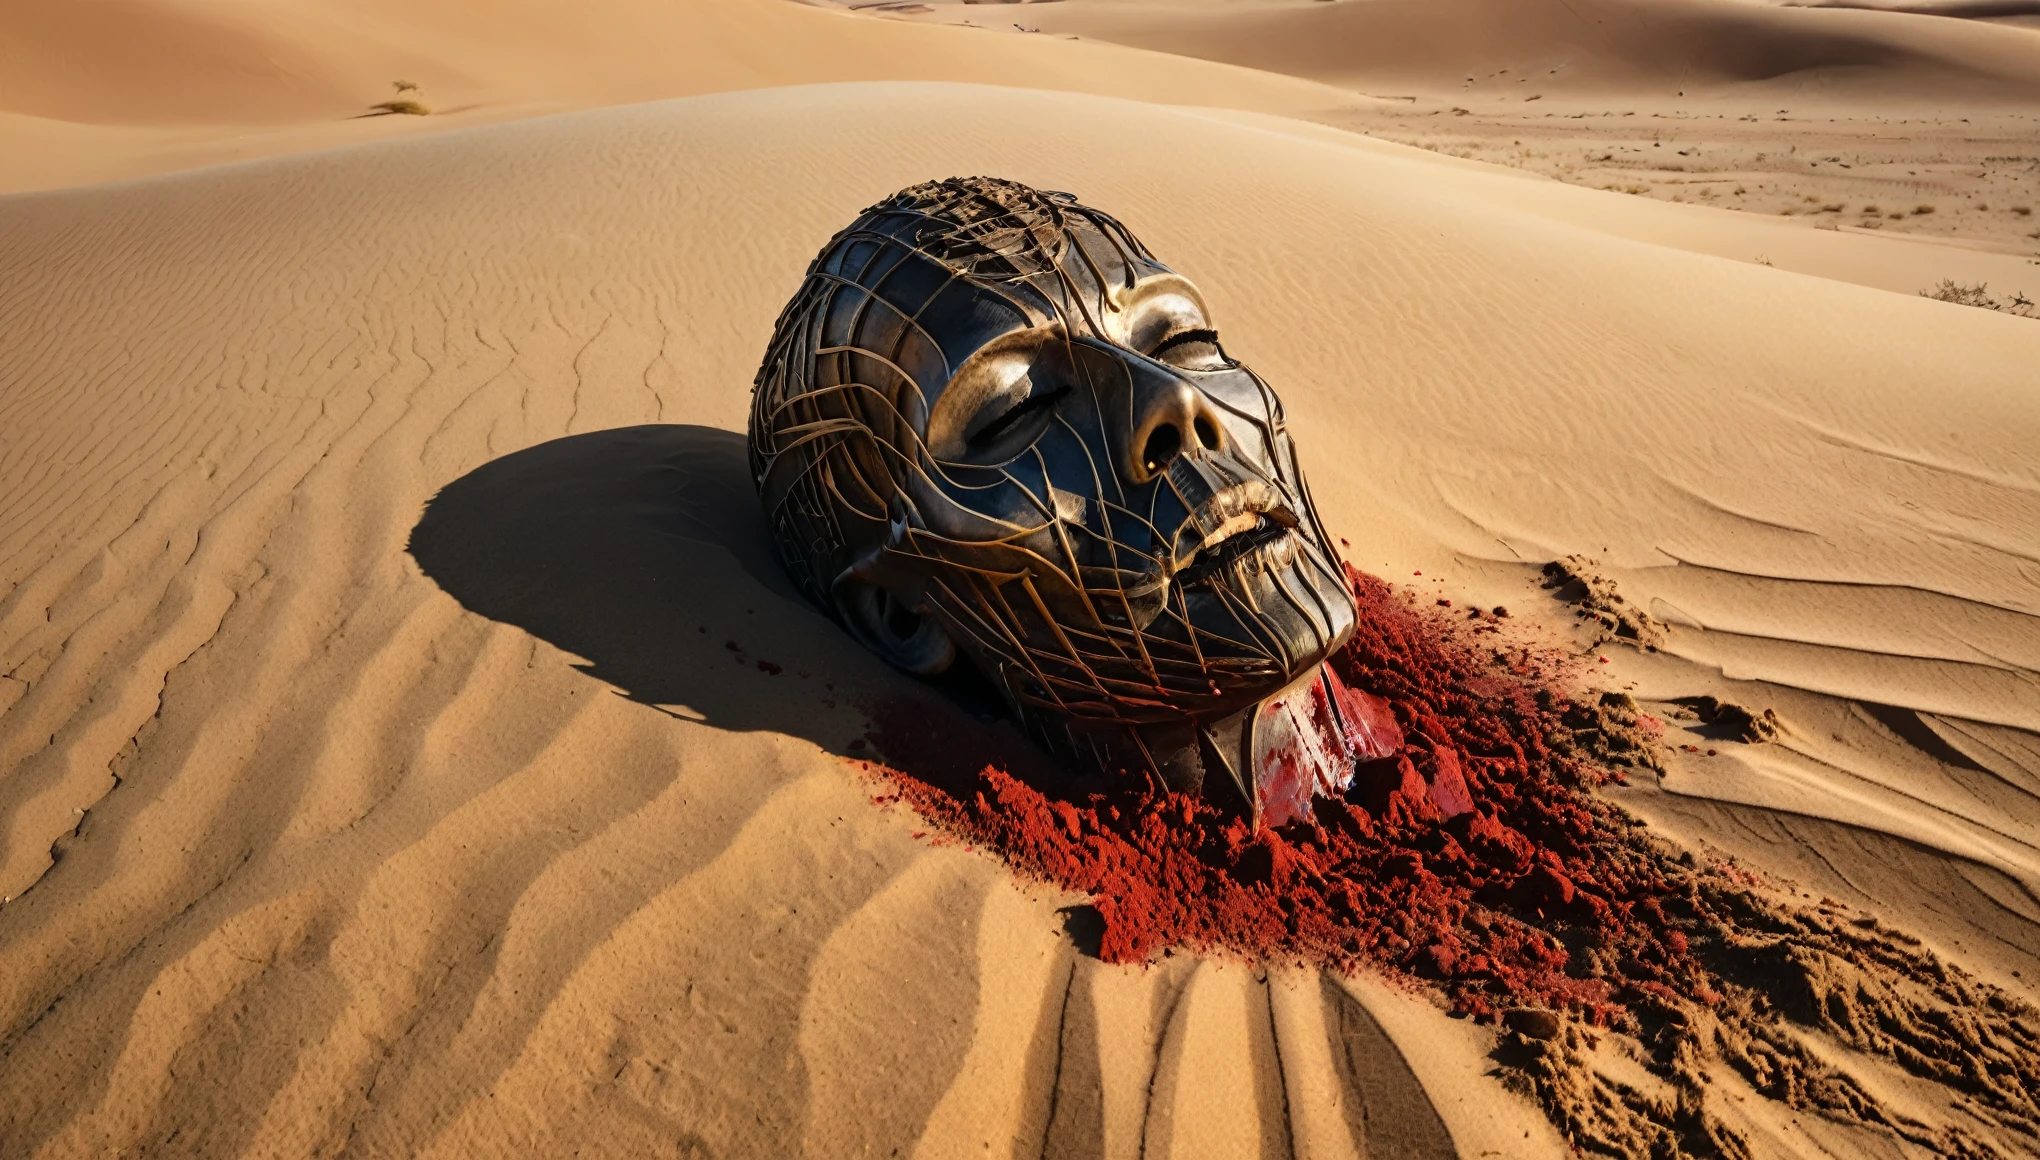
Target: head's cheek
<point x="1018" y="502"/>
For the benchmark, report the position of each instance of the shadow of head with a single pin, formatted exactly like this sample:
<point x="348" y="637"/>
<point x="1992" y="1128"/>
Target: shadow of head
<point x="615" y="546"/>
<point x="642" y="551"/>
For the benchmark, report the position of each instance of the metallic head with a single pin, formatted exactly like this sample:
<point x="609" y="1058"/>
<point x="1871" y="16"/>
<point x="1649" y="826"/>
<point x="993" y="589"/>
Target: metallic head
<point x="990" y="422"/>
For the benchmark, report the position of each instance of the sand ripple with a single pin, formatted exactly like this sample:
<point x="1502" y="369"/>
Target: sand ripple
<point x="331" y="823"/>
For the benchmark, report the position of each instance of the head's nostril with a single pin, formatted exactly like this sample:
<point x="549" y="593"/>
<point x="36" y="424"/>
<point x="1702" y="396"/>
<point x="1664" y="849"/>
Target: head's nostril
<point x="1207" y="432"/>
<point x="1161" y="447"/>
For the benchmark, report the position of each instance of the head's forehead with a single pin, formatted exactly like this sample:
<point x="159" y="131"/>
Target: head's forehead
<point x="938" y="270"/>
<point x="996" y="231"/>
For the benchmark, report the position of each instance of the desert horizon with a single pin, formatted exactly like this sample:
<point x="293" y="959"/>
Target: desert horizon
<point x="418" y="735"/>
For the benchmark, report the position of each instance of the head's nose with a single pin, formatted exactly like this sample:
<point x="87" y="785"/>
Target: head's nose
<point x="1169" y="417"/>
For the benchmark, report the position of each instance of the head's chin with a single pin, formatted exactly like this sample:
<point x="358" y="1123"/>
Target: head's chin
<point x="1281" y="593"/>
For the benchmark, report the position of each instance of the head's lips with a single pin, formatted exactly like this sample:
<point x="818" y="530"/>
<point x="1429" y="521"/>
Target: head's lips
<point x="1227" y="527"/>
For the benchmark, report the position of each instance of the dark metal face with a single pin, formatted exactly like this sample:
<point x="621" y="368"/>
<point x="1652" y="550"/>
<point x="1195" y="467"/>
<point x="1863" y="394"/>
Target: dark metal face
<point x="991" y="422"/>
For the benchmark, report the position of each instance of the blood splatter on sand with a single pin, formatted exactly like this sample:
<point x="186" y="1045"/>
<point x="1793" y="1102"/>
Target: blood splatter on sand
<point x="1480" y="859"/>
<point x="1540" y="893"/>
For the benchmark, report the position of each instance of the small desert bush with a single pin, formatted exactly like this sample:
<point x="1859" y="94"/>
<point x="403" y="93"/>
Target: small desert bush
<point x="402" y="105"/>
<point x="1978" y="294"/>
<point x="1922" y="208"/>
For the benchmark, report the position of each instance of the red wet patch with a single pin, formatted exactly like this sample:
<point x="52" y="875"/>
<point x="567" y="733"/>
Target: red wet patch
<point x="1476" y="857"/>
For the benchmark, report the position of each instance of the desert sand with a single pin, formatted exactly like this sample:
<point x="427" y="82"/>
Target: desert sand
<point x="386" y="767"/>
<point x="1864" y="120"/>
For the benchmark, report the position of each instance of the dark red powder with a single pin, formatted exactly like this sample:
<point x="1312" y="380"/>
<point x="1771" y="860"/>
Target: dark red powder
<point x="1539" y="893"/>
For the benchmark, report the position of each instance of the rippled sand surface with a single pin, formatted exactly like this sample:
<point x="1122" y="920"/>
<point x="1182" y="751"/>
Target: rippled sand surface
<point x="337" y="818"/>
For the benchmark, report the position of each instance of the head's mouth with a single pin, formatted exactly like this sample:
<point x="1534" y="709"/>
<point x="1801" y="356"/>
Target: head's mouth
<point x="1240" y="522"/>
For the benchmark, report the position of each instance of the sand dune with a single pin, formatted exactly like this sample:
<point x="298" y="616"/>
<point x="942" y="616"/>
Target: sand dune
<point x="1863" y="120"/>
<point x="342" y="819"/>
<point x="105" y="89"/>
<point x="1959" y="9"/>
<point x="127" y="62"/>
<point x="1656" y="48"/>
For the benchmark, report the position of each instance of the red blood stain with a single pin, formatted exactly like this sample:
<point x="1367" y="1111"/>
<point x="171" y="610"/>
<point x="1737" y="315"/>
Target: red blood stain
<point x="1309" y="742"/>
<point x="1476" y="857"/>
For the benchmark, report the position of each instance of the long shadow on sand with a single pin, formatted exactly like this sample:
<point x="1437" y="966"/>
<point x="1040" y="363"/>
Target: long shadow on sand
<point x="642" y="550"/>
<point x="594" y="543"/>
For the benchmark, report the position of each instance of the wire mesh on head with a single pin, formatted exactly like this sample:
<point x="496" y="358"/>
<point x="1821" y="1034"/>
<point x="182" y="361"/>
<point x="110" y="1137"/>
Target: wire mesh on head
<point x="833" y="414"/>
<point x="1069" y="612"/>
<point x="985" y="228"/>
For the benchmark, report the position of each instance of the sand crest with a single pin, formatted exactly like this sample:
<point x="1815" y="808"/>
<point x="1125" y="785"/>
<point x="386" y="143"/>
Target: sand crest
<point x="409" y="745"/>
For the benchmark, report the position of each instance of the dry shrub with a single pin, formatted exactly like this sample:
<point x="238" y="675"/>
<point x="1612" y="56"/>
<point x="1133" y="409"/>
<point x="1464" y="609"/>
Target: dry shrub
<point x="402" y="105"/>
<point x="1978" y="294"/>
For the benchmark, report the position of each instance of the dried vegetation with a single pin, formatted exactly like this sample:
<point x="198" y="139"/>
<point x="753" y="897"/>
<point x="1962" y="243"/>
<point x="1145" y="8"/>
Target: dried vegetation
<point x="1978" y="294"/>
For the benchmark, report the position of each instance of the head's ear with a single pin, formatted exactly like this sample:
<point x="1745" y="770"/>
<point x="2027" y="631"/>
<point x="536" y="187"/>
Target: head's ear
<point x="882" y="607"/>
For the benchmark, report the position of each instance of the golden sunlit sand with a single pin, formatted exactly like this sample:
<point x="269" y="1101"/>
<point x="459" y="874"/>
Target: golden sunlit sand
<point x="308" y="852"/>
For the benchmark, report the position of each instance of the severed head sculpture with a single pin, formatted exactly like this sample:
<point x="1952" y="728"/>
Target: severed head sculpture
<point x="991" y="428"/>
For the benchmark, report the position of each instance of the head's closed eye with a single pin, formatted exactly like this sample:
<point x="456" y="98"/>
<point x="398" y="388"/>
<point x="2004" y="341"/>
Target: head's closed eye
<point x="999" y="401"/>
<point x="1164" y="318"/>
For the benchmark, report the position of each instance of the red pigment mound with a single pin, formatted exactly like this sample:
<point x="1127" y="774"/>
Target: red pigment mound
<point x="1540" y="894"/>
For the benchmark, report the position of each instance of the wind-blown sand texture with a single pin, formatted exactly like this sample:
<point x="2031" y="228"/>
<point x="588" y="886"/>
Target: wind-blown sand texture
<point x="337" y="818"/>
<point x="1860" y="120"/>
